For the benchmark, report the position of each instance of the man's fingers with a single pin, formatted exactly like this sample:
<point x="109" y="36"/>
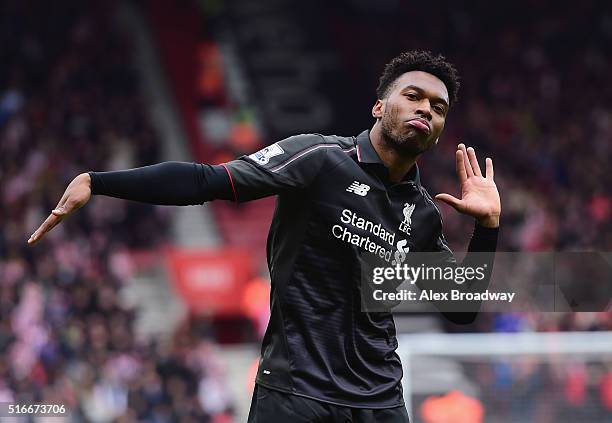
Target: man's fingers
<point x="61" y="201"/>
<point x="474" y="162"/>
<point x="466" y="164"/>
<point x="75" y="196"/>
<point x="50" y="222"/>
<point x="65" y="207"/>
<point x="450" y="200"/>
<point x="489" y="168"/>
<point x="460" y="166"/>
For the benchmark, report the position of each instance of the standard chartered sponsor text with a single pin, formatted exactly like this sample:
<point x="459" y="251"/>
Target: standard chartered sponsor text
<point x="351" y="219"/>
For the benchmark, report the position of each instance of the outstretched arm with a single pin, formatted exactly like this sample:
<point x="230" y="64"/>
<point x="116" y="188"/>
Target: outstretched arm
<point x="290" y="164"/>
<point x="168" y="183"/>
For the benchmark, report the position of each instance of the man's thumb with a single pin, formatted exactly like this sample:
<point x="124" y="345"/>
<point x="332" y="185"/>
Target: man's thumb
<point x="449" y="199"/>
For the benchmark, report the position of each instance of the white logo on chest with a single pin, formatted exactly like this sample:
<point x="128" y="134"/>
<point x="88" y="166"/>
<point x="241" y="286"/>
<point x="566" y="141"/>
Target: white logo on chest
<point x="358" y="188"/>
<point x="405" y="226"/>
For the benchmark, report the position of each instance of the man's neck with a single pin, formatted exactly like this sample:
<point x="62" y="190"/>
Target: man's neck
<point x="398" y="165"/>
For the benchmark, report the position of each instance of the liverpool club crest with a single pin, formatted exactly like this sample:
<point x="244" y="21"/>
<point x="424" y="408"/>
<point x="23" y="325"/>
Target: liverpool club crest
<point x="405" y="225"/>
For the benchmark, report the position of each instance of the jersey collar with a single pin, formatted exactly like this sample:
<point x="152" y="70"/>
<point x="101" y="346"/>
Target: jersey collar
<point x="367" y="154"/>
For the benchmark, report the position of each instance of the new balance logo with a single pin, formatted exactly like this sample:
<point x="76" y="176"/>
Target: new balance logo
<point x="358" y="188"/>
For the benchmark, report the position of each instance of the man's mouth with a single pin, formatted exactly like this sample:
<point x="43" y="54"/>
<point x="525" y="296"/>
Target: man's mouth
<point x="420" y="124"/>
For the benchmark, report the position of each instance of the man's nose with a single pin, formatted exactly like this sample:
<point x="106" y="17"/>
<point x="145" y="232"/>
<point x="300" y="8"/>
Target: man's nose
<point x="424" y="109"/>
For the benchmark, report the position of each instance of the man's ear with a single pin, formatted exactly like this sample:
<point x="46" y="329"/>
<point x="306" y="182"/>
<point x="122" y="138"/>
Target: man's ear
<point x="377" y="109"/>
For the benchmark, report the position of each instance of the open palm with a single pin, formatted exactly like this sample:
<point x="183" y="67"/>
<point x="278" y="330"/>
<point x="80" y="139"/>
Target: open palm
<point x="479" y="195"/>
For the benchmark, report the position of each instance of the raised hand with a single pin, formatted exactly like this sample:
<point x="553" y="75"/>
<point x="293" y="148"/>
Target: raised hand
<point x="479" y="195"/>
<point x="76" y="195"/>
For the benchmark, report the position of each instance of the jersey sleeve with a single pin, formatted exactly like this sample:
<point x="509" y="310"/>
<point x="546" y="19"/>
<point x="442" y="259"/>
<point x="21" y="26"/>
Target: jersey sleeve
<point x="168" y="183"/>
<point x="480" y="254"/>
<point x="290" y="164"/>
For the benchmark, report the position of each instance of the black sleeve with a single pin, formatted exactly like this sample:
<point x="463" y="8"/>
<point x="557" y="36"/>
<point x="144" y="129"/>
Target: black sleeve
<point x="481" y="254"/>
<point x="290" y="164"/>
<point x="167" y="183"/>
<point x="483" y="240"/>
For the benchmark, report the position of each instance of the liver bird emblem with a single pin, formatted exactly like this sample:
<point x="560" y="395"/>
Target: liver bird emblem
<point x="408" y="209"/>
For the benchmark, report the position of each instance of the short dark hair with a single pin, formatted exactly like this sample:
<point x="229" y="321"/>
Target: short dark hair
<point x="417" y="60"/>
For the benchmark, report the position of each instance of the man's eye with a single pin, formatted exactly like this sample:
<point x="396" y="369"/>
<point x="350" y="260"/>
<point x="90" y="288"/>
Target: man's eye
<point x="411" y="96"/>
<point x="439" y="109"/>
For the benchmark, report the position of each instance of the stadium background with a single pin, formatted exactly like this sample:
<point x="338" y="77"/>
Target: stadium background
<point x="129" y="312"/>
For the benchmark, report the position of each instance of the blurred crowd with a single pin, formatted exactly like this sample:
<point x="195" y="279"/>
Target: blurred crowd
<point x="526" y="389"/>
<point x="70" y="102"/>
<point x="544" y="388"/>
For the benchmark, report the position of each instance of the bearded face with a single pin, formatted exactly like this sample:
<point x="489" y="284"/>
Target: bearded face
<point x="413" y="114"/>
